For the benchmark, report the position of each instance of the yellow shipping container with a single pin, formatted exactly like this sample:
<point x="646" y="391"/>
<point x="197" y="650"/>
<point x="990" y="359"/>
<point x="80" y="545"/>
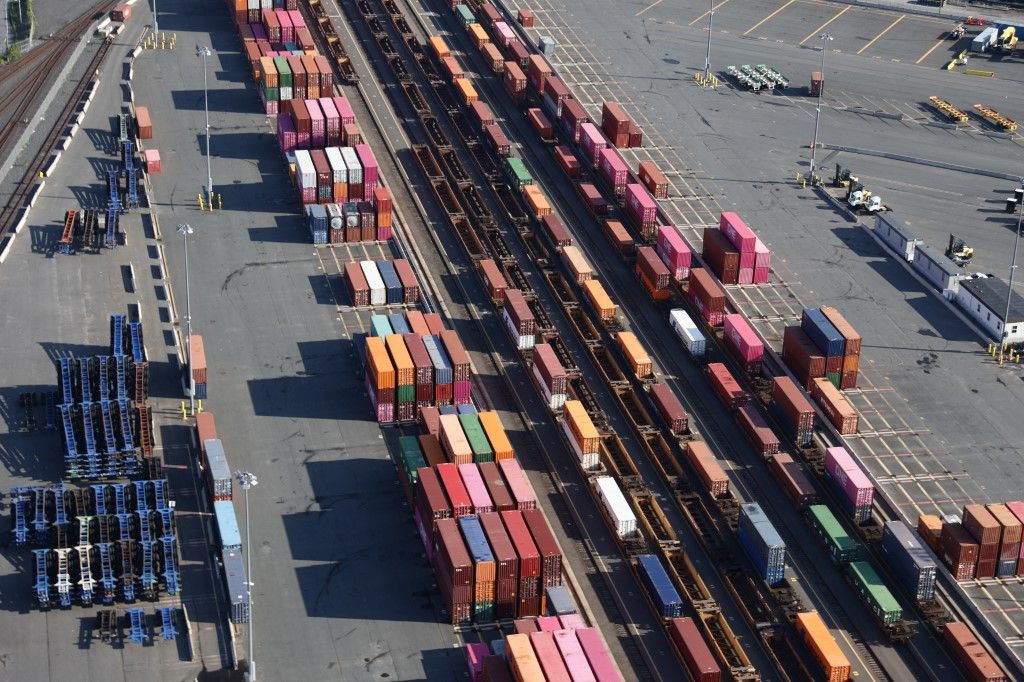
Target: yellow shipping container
<point x="578" y="421"/>
<point x="537" y="201"/>
<point x="823" y="645"/>
<point x="439" y="46"/>
<point x="496" y="436"/>
<point x="467" y="90"/>
<point x="382" y="372"/>
<point x="638" y="358"/>
<point x="581" y="270"/>
<point x="600" y="299"/>
<point x="479" y="35"/>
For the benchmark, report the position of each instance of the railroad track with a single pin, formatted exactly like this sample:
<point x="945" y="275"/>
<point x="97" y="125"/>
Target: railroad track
<point x="53" y="55"/>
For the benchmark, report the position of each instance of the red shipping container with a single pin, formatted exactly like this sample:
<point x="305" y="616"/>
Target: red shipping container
<point x="592" y="197"/>
<point x="519" y="54"/>
<point x="272" y="25"/>
<point x="431" y="504"/>
<point x="492" y="55"/>
<point x="671" y="409"/>
<point x="514" y="80"/>
<point x="529" y="556"/>
<point x="456" y="354"/>
<point x="453" y="568"/>
<point x="725" y="386"/>
<point x="762" y="437"/>
<point x="550" y="368"/>
<point x="694" y="651"/>
<point x="506" y="565"/>
<point x="455" y="489"/>
<point x="538" y="71"/>
<point x="358" y="288"/>
<point x="567" y="161"/>
<point x="482" y="113"/>
<point x="721" y="256"/>
<point x="498" y="140"/>
<point x="981" y="524"/>
<point x="541" y="124"/>
<point x="642" y="207"/>
<point x="547" y="546"/>
<point x="429" y="423"/>
<point x="801" y="356"/>
<point x="614" y="120"/>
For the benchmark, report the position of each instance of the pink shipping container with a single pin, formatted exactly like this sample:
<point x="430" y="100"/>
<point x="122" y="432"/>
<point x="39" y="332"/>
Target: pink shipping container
<point x="548" y="624"/>
<point x="746" y="275"/>
<point x="741" y="236"/>
<point x="475" y="653"/>
<point x="384" y="412"/>
<point x="613" y="168"/>
<point x="593" y="140"/>
<point x="641" y="205"/>
<point x="596" y="650"/>
<point x="761" y="275"/>
<point x="762" y="256"/>
<point x="287" y="29"/>
<point x="674" y="252"/>
<point x="286" y="138"/>
<point x="152" y="157"/>
<point x="332" y="122"/>
<point x="344" y="108"/>
<point x="461" y="392"/>
<point x="474" y="483"/>
<point x="296" y="17"/>
<point x="572" y="621"/>
<point x="853" y="481"/>
<point x="743" y="339"/>
<point x="369" y="162"/>
<point x="522" y="491"/>
<point x="573" y="657"/>
<point x="506" y="36"/>
<point x="548" y="656"/>
<point x="317" y="124"/>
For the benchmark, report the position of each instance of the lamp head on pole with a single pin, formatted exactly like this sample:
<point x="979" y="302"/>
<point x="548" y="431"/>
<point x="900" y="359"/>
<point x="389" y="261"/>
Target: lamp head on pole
<point x="246" y="479"/>
<point x="202" y="51"/>
<point x="184" y="229"/>
<point x="824" y="38"/>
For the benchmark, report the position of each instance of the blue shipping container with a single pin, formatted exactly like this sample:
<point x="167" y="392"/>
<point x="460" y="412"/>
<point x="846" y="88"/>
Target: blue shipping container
<point x="560" y="601"/>
<point x="908" y="559"/>
<point x="1006" y="568"/>
<point x="467" y="409"/>
<point x="799" y="436"/>
<point x="475" y="538"/>
<point x="391" y="282"/>
<point x="448" y="409"/>
<point x="439" y="358"/>
<point x="659" y="586"/>
<point x="822" y="332"/>
<point x="380" y="326"/>
<point x="200" y="391"/>
<point x="762" y="544"/>
<point x="398" y="323"/>
<point x="227" y="525"/>
<point x="316" y="221"/>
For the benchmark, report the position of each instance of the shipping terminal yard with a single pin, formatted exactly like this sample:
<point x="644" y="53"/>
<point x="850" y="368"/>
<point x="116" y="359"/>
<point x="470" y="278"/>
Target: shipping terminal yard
<point x="512" y="340"/>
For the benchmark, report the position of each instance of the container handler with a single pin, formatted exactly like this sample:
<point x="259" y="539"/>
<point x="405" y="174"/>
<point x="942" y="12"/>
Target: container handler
<point x="958" y="251"/>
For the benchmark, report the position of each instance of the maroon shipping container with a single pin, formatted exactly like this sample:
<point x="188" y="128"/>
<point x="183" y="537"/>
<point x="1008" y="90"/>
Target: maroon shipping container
<point x="959" y="550"/>
<point x="567" y="161"/>
<point x="514" y="80"/>
<point x="653" y="179"/>
<point x="549" y="367"/>
<point x="432" y="450"/>
<point x="793" y="402"/>
<point x="490" y="14"/>
<point x="324" y="176"/>
<point x="506" y="565"/>
<point x="614" y="120"/>
<point x="547" y="546"/>
<point x="671" y="409"/>
<point x="431" y="504"/>
<point x="457" y="354"/>
<point x="541" y="124"/>
<point x="300" y="114"/>
<point x="497" y="488"/>
<point x="721" y="256"/>
<point x="694" y="651"/>
<point x="557" y="91"/>
<point x="498" y="139"/>
<point x="592" y="197"/>
<point x="495" y="669"/>
<point x="1009" y="543"/>
<point x="705" y="289"/>
<point x="326" y="75"/>
<point x="494" y="279"/>
<point x="761" y="436"/>
<point x="981" y="525"/>
<point x="619" y="236"/>
<point x="518" y="53"/>
<point x="492" y="55"/>
<point x="525" y="626"/>
<point x="429" y="420"/>
<point x="971" y="654"/>
<point x="424" y="369"/>
<point x="537" y="71"/>
<point x="410" y="287"/>
<point x="834" y="364"/>
<point x="793" y="479"/>
<point x="725" y="386"/>
<point x="650" y="264"/>
<point x="358" y="289"/>
<point x="482" y="113"/>
<point x="555" y="229"/>
<point x="519" y="312"/>
<point x="572" y="118"/>
<point x="453" y="569"/>
<point x="801" y="356"/>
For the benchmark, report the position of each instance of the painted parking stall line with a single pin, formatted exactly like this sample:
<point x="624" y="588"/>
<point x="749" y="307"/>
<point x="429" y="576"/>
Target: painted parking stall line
<point x="821" y="28"/>
<point x="884" y="31"/>
<point x="770" y="16"/>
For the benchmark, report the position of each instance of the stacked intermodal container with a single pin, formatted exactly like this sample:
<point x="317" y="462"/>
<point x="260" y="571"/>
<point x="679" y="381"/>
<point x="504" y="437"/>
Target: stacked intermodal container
<point x="721" y="256"/>
<point x="828" y="340"/>
<point x="567" y="161"/>
<point x="853" y="485"/>
<point x="528" y="591"/>
<point x="838" y="410"/>
<point x="959" y="551"/>
<point x="453" y="440"/>
<point x="909" y="560"/>
<point x="496" y="436"/>
<point x="929" y="528"/>
<point x="694" y="651"/>
<point x="802" y="357"/>
<point x="572" y="119"/>
<point x="550" y="376"/>
<point x="405" y="377"/>
<point x="484" y="569"/>
<point x="757" y="430"/>
<point x="453" y="568"/>
<point x="841" y="547"/>
<point x="380" y="379"/>
<point x="1017" y="509"/>
<point x="709" y="471"/>
<point x="876" y="594"/>
<point x="519" y="320"/>
<point x="1009" y="540"/>
<point x="674" y="252"/>
<point x="197" y="365"/>
<point x="823" y="646"/>
<point x="987" y="531"/>
<point x="725" y="385"/>
<point x="707" y="295"/>
<point x="754" y="257"/>
<point x="614" y="503"/>
<point x="547" y="547"/>
<point x="582" y="434"/>
<point x="792" y="409"/>
<point x="972" y="656"/>
<point x="743" y="342"/>
<point x="615" y="123"/>
<point x="459" y="359"/>
<point x="653" y="273"/>
<point x="506" y="566"/>
<point x="851" y="348"/>
<point x="642" y="209"/>
<point x="762" y="544"/>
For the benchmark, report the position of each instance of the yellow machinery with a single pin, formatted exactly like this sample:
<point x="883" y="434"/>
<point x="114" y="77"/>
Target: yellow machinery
<point x="995" y="117"/>
<point x="948" y="110"/>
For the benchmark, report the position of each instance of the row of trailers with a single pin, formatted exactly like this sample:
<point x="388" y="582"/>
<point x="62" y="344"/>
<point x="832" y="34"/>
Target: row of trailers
<point x="713" y="520"/>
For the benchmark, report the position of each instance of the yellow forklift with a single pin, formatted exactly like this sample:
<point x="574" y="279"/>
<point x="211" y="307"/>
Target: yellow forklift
<point x="958" y="251"/>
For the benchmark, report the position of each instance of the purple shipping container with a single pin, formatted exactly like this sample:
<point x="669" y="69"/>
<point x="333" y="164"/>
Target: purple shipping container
<point x="316" y="122"/>
<point x="674" y="252"/>
<point x="743" y="339"/>
<point x="601" y="662"/>
<point x="613" y="168"/>
<point x="369" y="162"/>
<point x="573" y="657"/>
<point x="285" y="133"/>
<point x="593" y="141"/>
<point x="258" y="32"/>
<point x="854" y="483"/>
<point x="762" y="256"/>
<point x="572" y="621"/>
<point x="641" y="205"/>
<point x="741" y="236"/>
<point x="573" y="117"/>
<point x="474" y="483"/>
<point x="345" y="113"/>
<point x="475" y="653"/>
<point x="332" y="121"/>
<point x="461" y="392"/>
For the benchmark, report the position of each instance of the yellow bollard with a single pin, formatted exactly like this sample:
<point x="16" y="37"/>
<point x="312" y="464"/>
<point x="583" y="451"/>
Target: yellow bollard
<point x="210" y="198"/>
<point x="200" y="405"/>
<point x="200" y="197"/>
<point x="220" y="201"/>
<point x="184" y="411"/>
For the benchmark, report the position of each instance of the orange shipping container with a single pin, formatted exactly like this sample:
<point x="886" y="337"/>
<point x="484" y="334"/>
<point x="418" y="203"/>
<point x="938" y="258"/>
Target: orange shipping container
<point x="594" y="290"/>
<point x="581" y="426"/>
<point x="382" y="372"/>
<point x="708" y="469"/>
<point x="479" y="35"/>
<point x="522" y="659"/>
<point x="467" y="90"/>
<point x="404" y="367"/>
<point x="269" y="72"/>
<point x="823" y="645"/>
<point x="496" y="436"/>
<point x="537" y="201"/>
<point x="579" y="266"/>
<point x="637" y="356"/>
<point x="143" y="123"/>
<point x="929" y="527"/>
<point x="853" y="340"/>
<point x="439" y="46"/>
<point x="197" y="358"/>
<point x="835" y="406"/>
<point x="206" y="428"/>
<point x="453" y="440"/>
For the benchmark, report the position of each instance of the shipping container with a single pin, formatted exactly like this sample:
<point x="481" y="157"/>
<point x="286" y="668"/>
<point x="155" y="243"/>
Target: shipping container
<point x="454" y="488"/>
<point x="959" y="551"/>
<point x="838" y="410"/>
<point x="709" y="471"/>
<point x="197" y="358"/>
<point x="649" y="264"/>
<point x="143" y="123"/>
<point x="841" y="547"/>
<point x="432" y="451"/>
<point x="577" y="264"/>
<point x="795" y="482"/>
<point x="642" y="208"/>
<point x="237" y="585"/>
<point x="439" y="47"/>
<point x="792" y="409"/>
<point x="559" y="602"/>
<point x="721" y="256"/>
<point x="573" y="656"/>
<point x="802" y="357"/>
<point x="636" y="355"/>
<point x="538" y="203"/>
<point x="497" y="488"/>
<point x="517" y="173"/>
<point x="670" y="408"/>
<point x="379" y="365"/>
<point x="592" y="140"/>
<point x="592" y="197"/>
<point x="520" y="488"/>
<point x="548" y="657"/>
<point x="378" y="292"/>
<point x="725" y="386"/>
<point x="431" y="506"/>
<point x="217" y="471"/>
<point x="572" y="119"/>
<point x="567" y="161"/>
<point x="973" y="657"/>
<point x="909" y="560"/>
<point x="599" y="299"/>
<point x="454" y="441"/>
<point x="823" y="645"/>
<point x="848" y="477"/>
<point x="227" y="525"/>
<point x="741" y="338"/>
<point x="522" y="659"/>
<point x="206" y="429"/>
<point x="541" y="124"/>
<point x="499" y="141"/>
<point x="514" y="80"/>
<point x="619" y="513"/>
<point x="929" y="528"/>
<point x="392" y="284"/>
<point x="582" y="432"/>
<point x="506" y="565"/>
<point x="981" y="525"/>
<point x="618" y="235"/>
<point x="453" y="568"/>
<point x="707" y="295"/>
<point x="660" y="589"/>
<point x="613" y="169"/>
<point x="688" y="332"/>
<point x="519" y="319"/>
<point x="466" y="90"/>
<point x="760" y="435"/>
<point x="410" y="286"/>
<point x="547" y="547"/>
<point x="737" y="231"/>
<point x="556" y="232"/>
<point x="762" y="544"/>
<point x="694" y="651"/>
<point x="674" y="252"/>
<point x="482" y="451"/>
<point x="875" y="593"/>
<point x="538" y="71"/>
<point x="474" y="483"/>
<point x="823" y="333"/>
<point x="852" y="340"/>
<point x="496" y="436"/>
<point x="653" y="179"/>
<point x="548" y="369"/>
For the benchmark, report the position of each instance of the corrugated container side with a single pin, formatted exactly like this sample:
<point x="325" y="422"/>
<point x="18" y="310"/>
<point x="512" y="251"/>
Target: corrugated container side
<point x="520" y="488"/>
<point x="694" y="651"/>
<point x="662" y="592"/>
<point x="708" y="469"/>
<point x="573" y="656"/>
<point x="823" y="645"/>
<point x="547" y="546"/>
<point x="602" y="665"/>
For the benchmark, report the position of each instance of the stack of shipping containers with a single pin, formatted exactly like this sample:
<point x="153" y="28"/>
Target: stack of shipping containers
<point x="582" y="434"/>
<point x="854" y="487"/>
<point x="762" y="544"/>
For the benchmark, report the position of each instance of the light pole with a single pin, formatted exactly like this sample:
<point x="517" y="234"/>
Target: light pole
<point x="711" y="23"/>
<point x="156" y="24"/>
<point x="824" y="38"/>
<point x="204" y="52"/>
<point x="1009" y="286"/>
<point x="185" y="230"/>
<point x="248" y="480"/>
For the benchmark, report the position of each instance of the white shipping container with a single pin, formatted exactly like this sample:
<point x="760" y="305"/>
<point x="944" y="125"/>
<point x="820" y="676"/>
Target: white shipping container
<point x="304" y="168"/>
<point x="555" y="401"/>
<point x="338" y="164"/>
<point x="688" y="332"/>
<point x="378" y="294"/>
<point x="937" y="269"/>
<point x="615" y="503"/>
<point x="898" y="234"/>
<point x="589" y="461"/>
<point x="254" y="4"/>
<point x="523" y="341"/>
<point x="286" y="93"/>
<point x="355" y="169"/>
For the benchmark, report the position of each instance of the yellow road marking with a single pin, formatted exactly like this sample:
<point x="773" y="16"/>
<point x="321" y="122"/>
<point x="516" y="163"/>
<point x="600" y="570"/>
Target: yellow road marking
<point x="706" y="13"/>
<point x="820" y="28"/>
<point x="886" y="30"/>
<point x="769" y="17"/>
<point x="650" y="6"/>
<point x="930" y="50"/>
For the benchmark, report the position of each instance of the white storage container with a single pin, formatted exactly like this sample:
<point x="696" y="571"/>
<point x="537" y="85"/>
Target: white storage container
<point x="378" y="293"/>
<point x="898" y="234"/>
<point x="523" y="341"/>
<point x="304" y="168"/>
<point x="588" y="460"/>
<point x="335" y="216"/>
<point x="937" y="269"/>
<point x="355" y="169"/>
<point x="286" y="93"/>
<point x="338" y="165"/>
<point x="615" y="504"/>
<point x="688" y="332"/>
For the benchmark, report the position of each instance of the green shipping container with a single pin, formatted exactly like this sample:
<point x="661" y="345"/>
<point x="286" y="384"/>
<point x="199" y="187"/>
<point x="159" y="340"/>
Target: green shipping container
<point x="405" y="394"/>
<point x="380" y="326"/>
<point x="483" y="612"/>
<point x="271" y="94"/>
<point x="465" y="14"/>
<point x="840" y="545"/>
<point x="834" y="378"/>
<point x="284" y="73"/>
<point x="517" y="172"/>
<point x="482" y="451"/>
<point x="874" y="591"/>
<point x="412" y="458"/>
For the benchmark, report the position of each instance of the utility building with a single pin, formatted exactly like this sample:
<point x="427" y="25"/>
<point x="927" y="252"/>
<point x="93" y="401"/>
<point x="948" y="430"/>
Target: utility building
<point x="983" y="297"/>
